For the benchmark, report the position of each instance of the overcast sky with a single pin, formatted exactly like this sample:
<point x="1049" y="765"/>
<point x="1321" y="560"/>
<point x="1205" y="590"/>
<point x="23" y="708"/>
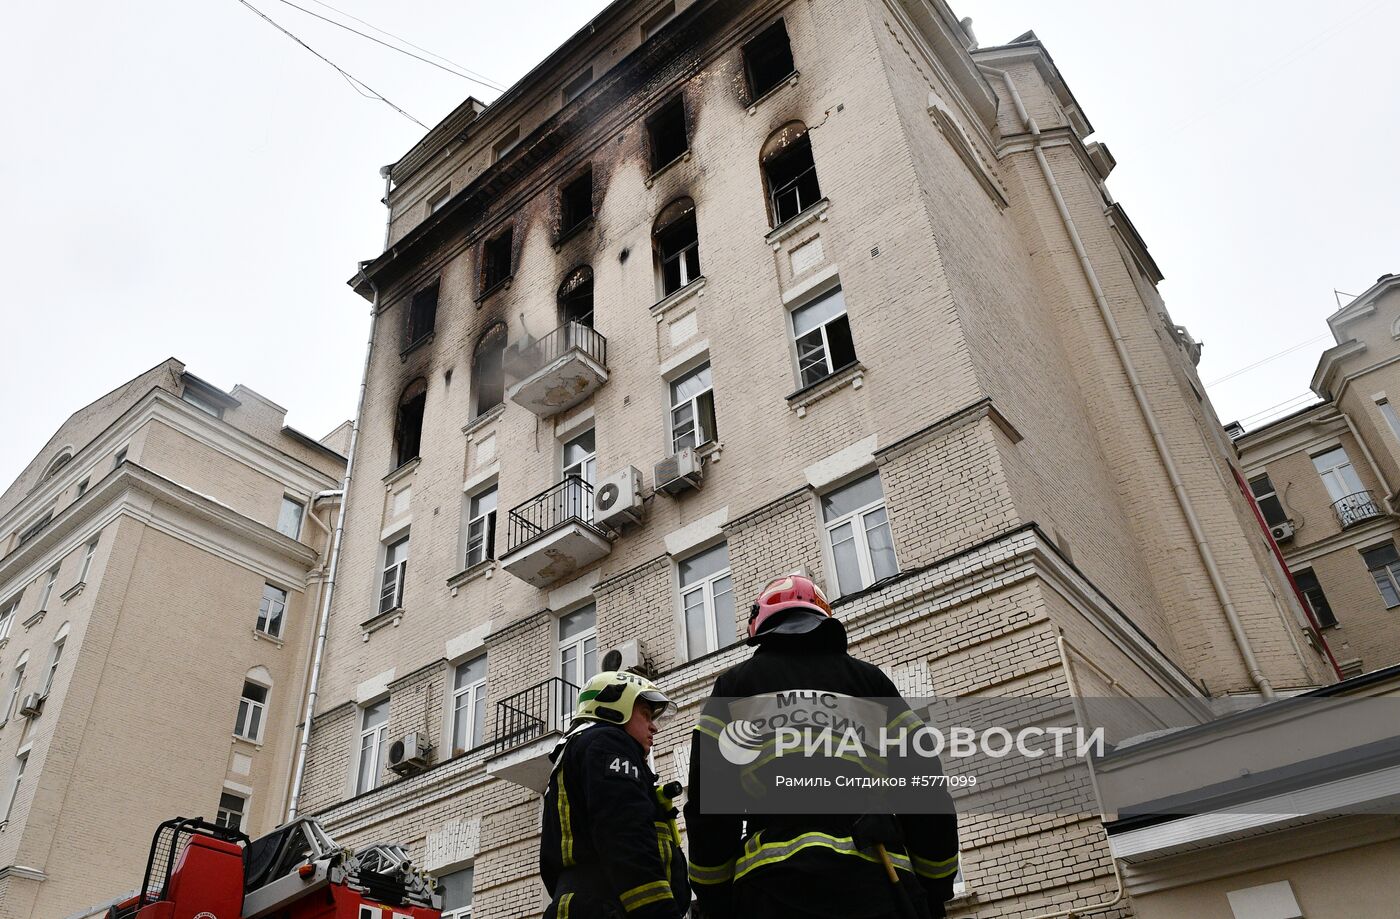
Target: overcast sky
<point x="184" y="180"/>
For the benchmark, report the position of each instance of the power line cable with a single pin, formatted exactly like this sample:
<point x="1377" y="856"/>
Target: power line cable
<point x="484" y="79"/>
<point x="1287" y="404"/>
<point x="1259" y="363"/>
<point x="353" y="81"/>
<point x="377" y="41"/>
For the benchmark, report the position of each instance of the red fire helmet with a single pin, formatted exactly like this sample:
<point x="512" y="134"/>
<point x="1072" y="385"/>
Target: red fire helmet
<point x="791" y="591"/>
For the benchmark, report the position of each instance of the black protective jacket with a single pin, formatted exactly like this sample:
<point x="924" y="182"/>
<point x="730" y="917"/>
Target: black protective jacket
<point x="745" y="865"/>
<point x="607" y="847"/>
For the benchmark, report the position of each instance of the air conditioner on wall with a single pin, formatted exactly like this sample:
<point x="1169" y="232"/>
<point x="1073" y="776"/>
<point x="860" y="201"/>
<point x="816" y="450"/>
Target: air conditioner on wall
<point x="617" y="500"/>
<point x="679" y="472"/>
<point x="1282" y="532"/>
<point x="31" y="705"/>
<point x="410" y="754"/>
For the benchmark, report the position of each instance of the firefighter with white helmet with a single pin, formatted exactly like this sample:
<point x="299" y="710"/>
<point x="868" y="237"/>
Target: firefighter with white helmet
<point x="609" y="847"/>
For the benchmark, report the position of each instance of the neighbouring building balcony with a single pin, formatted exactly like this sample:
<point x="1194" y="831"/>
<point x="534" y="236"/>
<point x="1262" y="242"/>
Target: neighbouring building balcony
<point x="557" y="372"/>
<point x="1354" y="509"/>
<point x="551" y="537"/>
<point x="528" y="725"/>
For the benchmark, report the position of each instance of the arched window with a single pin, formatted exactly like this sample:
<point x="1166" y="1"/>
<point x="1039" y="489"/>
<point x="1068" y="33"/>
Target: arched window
<point x="63" y="459"/>
<point x="252" y="705"/>
<point x="576" y="297"/>
<point x="789" y="172"/>
<point x="677" y="245"/>
<point x="408" y="426"/>
<point x="488" y="373"/>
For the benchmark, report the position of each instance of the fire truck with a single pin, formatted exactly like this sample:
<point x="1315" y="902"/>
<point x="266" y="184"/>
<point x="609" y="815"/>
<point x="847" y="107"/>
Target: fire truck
<point x="197" y="870"/>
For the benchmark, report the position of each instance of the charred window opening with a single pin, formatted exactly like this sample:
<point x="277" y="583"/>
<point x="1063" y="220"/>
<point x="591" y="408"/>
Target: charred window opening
<point x="495" y="261"/>
<point x="408" y="428"/>
<point x="677" y="245"/>
<point x="575" y="87"/>
<point x="576" y="202"/>
<point x="576" y="297"/>
<point x="768" y="59"/>
<point x="789" y="172"/>
<point x="666" y="133"/>
<point x="422" y="314"/>
<point x="488" y="373"/>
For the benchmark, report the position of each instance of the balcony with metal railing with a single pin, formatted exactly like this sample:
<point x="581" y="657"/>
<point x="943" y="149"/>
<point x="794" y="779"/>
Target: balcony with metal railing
<point x="554" y="373"/>
<point x="528" y="724"/>
<point x="551" y="537"/>
<point x="1356" y="508"/>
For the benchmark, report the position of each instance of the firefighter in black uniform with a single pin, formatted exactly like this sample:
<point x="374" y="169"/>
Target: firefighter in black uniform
<point x="609" y="848"/>
<point x="756" y="866"/>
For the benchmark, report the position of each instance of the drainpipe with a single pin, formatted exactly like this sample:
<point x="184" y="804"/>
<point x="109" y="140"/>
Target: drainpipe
<point x="1366" y="452"/>
<point x="328" y="589"/>
<point x="1232" y="616"/>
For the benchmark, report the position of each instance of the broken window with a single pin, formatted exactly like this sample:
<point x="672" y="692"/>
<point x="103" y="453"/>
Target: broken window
<point x="408" y="430"/>
<point x="495" y="261"/>
<point x="822" y="334"/>
<point x="666" y="133"/>
<point x="422" y="314"/>
<point x="677" y="245"/>
<point x="488" y="373"/>
<point x="575" y="87"/>
<point x="576" y="202"/>
<point x="789" y="172"/>
<point x="768" y="59"/>
<point x="576" y="297"/>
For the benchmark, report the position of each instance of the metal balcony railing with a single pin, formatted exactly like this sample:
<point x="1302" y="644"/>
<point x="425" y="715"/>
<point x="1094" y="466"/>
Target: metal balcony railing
<point x="571" y="336"/>
<point x="532" y="713"/>
<point x="570" y="500"/>
<point x="1355" y="508"/>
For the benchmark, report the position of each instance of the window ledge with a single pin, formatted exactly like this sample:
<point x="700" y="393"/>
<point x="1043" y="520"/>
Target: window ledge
<point x="263" y="636"/>
<point x="651" y="179"/>
<point x="710" y="451"/>
<point x="486" y="294"/>
<point x="391" y="618"/>
<point x="661" y="307"/>
<point x="852" y="375"/>
<point x="789" y="80"/>
<point x="482" y="420"/>
<point x="482" y="569"/>
<point x="415" y="345"/>
<point x="404" y="471"/>
<point x="566" y="235"/>
<point x="35" y="619"/>
<point x="791" y="226"/>
<point x="73" y="591"/>
<point x="247" y="742"/>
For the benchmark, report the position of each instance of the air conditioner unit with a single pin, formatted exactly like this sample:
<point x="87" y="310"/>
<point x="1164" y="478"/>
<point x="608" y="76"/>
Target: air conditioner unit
<point x="409" y="754"/>
<point x="630" y="655"/>
<point x="1282" y="532"/>
<point x="681" y="471"/>
<point x="31" y="705"/>
<point x="618" y="499"/>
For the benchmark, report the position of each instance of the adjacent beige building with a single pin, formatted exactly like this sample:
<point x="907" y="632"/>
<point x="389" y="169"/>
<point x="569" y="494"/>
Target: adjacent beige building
<point x="725" y="288"/>
<point x="1325" y="480"/>
<point x="160" y="565"/>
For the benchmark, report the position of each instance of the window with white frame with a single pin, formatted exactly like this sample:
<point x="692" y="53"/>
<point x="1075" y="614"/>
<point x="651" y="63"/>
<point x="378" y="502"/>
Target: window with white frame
<point x="1337" y="474"/>
<point x="46" y="594"/>
<point x="858" y="534"/>
<point x="252" y="706"/>
<point x="1267" y="498"/>
<point x="55" y="655"/>
<point x="707" y="601"/>
<point x="1384" y="564"/>
<point x="86" y="567"/>
<point x="289" y="518"/>
<point x="822" y="334"/>
<point x="395" y="568"/>
<point x="230" y="813"/>
<point x="469" y="705"/>
<point x="7" y="615"/>
<point x="1392" y="417"/>
<point x="16" y="686"/>
<point x="272" y="611"/>
<point x="374" y="745"/>
<point x="579" y="457"/>
<point x="692" y="409"/>
<point x="456" y="890"/>
<point x="481" y="526"/>
<point x="21" y="763"/>
<point x="675" y="236"/>
<point x="578" y="645"/>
